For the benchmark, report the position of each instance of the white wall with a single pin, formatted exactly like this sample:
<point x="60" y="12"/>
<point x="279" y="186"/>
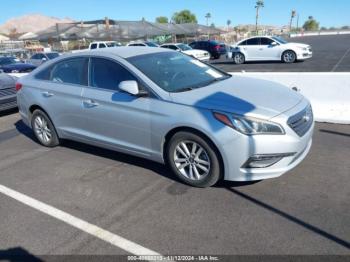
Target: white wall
<point x="329" y="93"/>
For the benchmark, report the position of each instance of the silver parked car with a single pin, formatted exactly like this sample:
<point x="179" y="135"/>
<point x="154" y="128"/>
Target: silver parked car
<point x="168" y="107"/>
<point x="40" y="58"/>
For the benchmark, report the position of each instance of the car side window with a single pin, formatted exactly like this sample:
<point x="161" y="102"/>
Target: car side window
<point x="266" y="41"/>
<point x="107" y="74"/>
<point x="101" y="45"/>
<point x="70" y="71"/>
<point x="93" y="46"/>
<point x="35" y="56"/>
<point x="253" y="41"/>
<point x="172" y="47"/>
<point x="243" y="43"/>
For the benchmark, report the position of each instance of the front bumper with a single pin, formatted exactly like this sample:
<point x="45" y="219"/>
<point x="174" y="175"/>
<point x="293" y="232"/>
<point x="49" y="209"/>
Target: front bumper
<point x="303" y="55"/>
<point x="292" y="147"/>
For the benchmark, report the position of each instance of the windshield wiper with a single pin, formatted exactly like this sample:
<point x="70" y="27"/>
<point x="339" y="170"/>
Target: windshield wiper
<point x="189" y="88"/>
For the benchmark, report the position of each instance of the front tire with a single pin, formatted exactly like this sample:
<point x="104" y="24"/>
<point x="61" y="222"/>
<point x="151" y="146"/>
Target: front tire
<point x="193" y="160"/>
<point x="289" y="57"/>
<point x="44" y="130"/>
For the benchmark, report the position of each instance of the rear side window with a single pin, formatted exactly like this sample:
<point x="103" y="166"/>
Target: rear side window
<point x="107" y="74"/>
<point x="243" y="43"/>
<point x="70" y="71"/>
<point x="253" y="41"/>
<point x="101" y="46"/>
<point x="93" y="46"/>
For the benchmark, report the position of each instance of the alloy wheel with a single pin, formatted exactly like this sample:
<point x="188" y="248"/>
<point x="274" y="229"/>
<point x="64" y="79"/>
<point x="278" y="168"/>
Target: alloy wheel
<point x="192" y="160"/>
<point x="42" y="129"/>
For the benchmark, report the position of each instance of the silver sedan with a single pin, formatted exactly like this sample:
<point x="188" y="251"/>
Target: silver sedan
<point x="168" y="107"/>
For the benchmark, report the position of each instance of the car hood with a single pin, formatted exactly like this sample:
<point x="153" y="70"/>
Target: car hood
<point x="242" y="96"/>
<point x="299" y="45"/>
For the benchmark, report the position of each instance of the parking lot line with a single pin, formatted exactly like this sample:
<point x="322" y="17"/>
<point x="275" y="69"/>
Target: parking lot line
<point x="91" y="229"/>
<point x="341" y="60"/>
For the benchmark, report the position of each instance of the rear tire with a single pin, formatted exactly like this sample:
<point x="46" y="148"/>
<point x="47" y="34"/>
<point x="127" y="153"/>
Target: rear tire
<point x="43" y="129"/>
<point x="238" y="58"/>
<point x="193" y="160"/>
<point x="289" y="57"/>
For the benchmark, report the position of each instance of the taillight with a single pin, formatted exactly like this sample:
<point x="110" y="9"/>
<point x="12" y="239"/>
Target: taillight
<point x="18" y="86"/>
<point x="217" y="47"/>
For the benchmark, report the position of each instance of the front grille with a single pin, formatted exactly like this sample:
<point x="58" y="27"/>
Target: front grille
<point x="302" y="121"/>
<point x="7" y="91"/>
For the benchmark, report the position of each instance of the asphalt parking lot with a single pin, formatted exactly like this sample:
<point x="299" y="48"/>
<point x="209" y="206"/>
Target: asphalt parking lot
<point x="304" y="212"/>
<point x="330" y="54"/>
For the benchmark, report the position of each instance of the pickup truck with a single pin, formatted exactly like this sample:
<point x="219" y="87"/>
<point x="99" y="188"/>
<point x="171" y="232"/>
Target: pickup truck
<point x="98" y="45"/>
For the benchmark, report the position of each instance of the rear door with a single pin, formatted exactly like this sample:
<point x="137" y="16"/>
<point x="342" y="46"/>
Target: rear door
<point x="252" y="49"/>
<point x="60" y="93"/>
<point x="112" y="117"/>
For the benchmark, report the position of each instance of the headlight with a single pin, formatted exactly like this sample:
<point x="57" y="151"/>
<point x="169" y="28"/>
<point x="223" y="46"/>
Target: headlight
<point x="250" y="126"/>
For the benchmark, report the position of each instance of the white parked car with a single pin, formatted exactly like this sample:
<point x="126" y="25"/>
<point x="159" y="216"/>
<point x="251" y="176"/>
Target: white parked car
<point x="99" y="45"/>
<point x="143" y="43"/>
<point x="266" y="48"/>
<point x="196" y="53"/>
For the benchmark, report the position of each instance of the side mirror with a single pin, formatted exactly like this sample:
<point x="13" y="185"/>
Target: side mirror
<point x="131" y="87"/>
<point x="44" y="59"/>
<point x="274" y="43"/>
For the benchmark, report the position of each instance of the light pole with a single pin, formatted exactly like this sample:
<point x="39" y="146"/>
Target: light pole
<point x="208" y="16"/>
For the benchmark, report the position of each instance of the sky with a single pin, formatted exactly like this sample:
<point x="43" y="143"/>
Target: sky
<point x="276" y="12"/>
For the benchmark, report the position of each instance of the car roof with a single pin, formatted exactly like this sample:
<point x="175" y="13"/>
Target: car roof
<point x="124" y="51"/>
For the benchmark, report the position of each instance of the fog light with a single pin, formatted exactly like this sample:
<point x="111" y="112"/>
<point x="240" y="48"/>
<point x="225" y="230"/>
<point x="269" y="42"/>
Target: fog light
<point x="262" y="161"/>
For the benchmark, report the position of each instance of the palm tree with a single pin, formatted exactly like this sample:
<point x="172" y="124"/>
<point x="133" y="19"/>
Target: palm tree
<point x="259" y="4"/>
<point x="294" y="13"/>
<point x="208" y="16"/>
<point x="228" y="23"/>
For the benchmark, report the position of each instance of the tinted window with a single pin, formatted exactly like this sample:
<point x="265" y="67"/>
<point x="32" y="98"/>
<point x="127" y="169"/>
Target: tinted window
<point x="41" y="56"/>
<point x="7" y="61"/>
<point x="172" y="47"/>
<point x="36" y="56"/>
<point x="253" y="41"/>
<point x="71" y="71"/>
<point x="107" y="74"/>
<point x="93" y="46"/>
<point x="266" y="41"/>
<point x="52" y="55"/>
<point x="243" y="43"/>
<point x="101" y="46"/>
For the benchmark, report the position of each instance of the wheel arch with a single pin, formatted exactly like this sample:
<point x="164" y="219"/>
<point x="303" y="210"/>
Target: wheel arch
<point x="198" y="132"/>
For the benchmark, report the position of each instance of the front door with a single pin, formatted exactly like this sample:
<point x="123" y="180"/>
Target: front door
<point x="115" y="118"/>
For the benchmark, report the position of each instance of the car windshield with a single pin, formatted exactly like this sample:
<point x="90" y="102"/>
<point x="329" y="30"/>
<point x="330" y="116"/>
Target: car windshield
<point x="279" y="39"/>
<point x="184" y="47"/>
<point x="7" y="60"/>
<point x="151" y="44"/>
<point x="175" y="72"/>
<point x="52" y="55"/>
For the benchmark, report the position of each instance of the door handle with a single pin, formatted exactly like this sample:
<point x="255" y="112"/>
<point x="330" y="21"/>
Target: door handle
<point x="90" y="103"/>
<point x="46" y="94"/>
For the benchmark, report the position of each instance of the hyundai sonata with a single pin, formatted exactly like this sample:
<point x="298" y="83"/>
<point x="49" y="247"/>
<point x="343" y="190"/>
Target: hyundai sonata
<point x="170" y="108"/>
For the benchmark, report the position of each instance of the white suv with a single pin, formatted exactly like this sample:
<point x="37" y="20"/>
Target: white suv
<point x="266" y="48"/>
